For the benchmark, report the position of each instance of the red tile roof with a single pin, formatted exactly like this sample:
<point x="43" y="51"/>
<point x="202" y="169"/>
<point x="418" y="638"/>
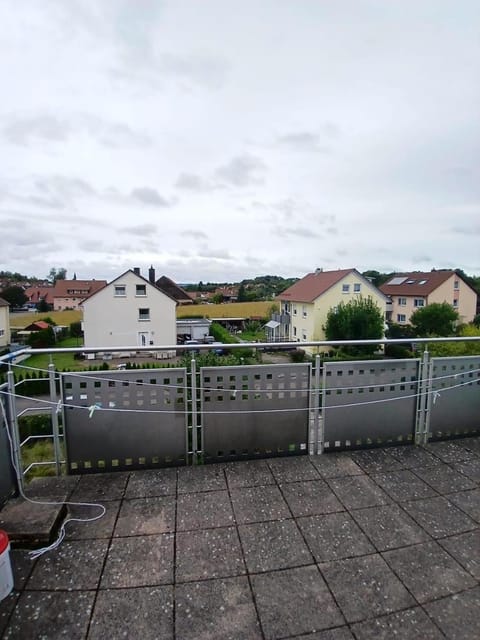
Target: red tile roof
<point x="35" y="294"/>
<point x="410" y="286"/>
<point x="77" y="288"/>
<point x="313" y="285"/>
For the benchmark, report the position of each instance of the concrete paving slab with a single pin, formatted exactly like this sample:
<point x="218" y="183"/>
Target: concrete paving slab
<point x="465" y="548"/>
<point x="100" y="486"/>
<point x="201" y="478"/>
<point x="450" y="451"/>
<point x="365" y="587"/>
<point x="144" y="612"/>
<point x="340" y="633"/>
<point x="151" y="483"/>
<point x="31" y="524"/>
<point x="251" y="473"/>
<point x="411" y="624"/>
<point x="444" y="479"/>
<point x="457" y="616"/>
<point x="41" y="614"/>
<point x="294" y="601"/>
<point x="334" y="536"/>
<point x="404" y="485"/>
<point x="469" y="468"/>
<point x="258" y="504"/>
<point x="101" y="528"/>
<point x="439" y="517"/>
<point x="144" y="516"/>
<point x="389" y="527"/>
<point x="467" y="501"/>
<point x="310" y="498"/>
<point x="335" y="465"/>
<point x="208" y="553"/>
<point x="293" y="469"/>
<point x="273" y="545"/>
<point x="376" y="460"/>
<point x="75" y="565"/>
<point x="217" y="610"/>
<point x="411" y="457"/>
<point x="139" y="561"/>
<point x="203" y="510"/>
<point x="428" y="571"/>
<point x="358" y="492"/>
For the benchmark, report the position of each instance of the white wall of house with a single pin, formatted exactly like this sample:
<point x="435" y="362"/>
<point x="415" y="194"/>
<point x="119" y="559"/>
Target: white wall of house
<point x="4" y="326"/>
<point x="130" y="311"/>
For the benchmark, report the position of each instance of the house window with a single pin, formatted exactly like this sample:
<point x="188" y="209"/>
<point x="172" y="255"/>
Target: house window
<point x="304" y="311"/>
<point x="295" y="331"/>
<point x="141" y="290"/>
<point x="294" y="309"/>
<point x="144" y="314"/>
<point x="401" y="317"/>
<point x="418" y="302"/>
<point x="2" y="332"/>
<point x="345" y="288"/>
<point x="402" y="302"/>
<point x="120" y="290"/>
<point x="455" y="302"/>
<point x="356" y="287"/>
<point x="456" y="285"/>
<point x="304" y="335"/>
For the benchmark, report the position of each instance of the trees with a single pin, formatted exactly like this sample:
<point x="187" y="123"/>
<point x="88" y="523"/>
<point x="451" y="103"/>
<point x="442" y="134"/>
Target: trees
<point x="14" y="295"/>
<point x="57" y="274"/>
<point x="436" y="319"/>
<point x="358" y="319"/>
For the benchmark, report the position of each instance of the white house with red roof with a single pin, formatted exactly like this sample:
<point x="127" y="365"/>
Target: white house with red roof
<point x="306" y="304"/>
<point x="4" y="323"/>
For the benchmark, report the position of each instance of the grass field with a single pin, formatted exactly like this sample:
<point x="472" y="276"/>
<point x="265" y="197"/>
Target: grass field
<point x="62" y="318"/>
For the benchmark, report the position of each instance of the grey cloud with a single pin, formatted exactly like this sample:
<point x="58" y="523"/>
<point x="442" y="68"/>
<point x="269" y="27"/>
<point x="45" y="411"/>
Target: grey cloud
<point x="421" y="259"/>
<point x="203" y="69"/>
<point x="332" y="231"/>
<point x="142" y="230"/>
<point x="196" y="235"/>
<point x="242" y="171"/>
<point x="192" y="182"/>
<point x="467" y="230"/>
<point x="303" y="141"/>
<point x="26" y="130"/>
<point x="149" y="196"/>
<point x="300" y="232"/>
<point x="214" y="254"/>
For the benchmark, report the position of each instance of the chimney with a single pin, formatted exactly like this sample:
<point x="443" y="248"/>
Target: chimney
<point x="151" y="274"/>
<point x="136" y="271"/>
<point x="318" y="270"/>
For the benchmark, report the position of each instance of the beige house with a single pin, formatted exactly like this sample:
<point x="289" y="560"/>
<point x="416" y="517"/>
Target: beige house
<point x="69" y="294"/>
<point x="129" y="311"/>
<point x="304" y="306"/>
<point x="4" y="323"/>
<point x="411" y="291"/>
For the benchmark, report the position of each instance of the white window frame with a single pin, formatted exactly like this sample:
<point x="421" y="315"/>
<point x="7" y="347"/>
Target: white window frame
<point x="143" y="288"/>
<point x="294" y="309"/>
<point x="418" y="303"/>
<point x="145" y="316"/>
<point x="455" y="303"/>
<point x="304" y="335"/>
<point x="118" y="288"/>
<point x="402" y="302"/>
<point x="401" y="318"/>
<point x="357" y="287"/>
<point x="345" y="288"/>
<point x="294" y="332"/>
<point x="304" y="311"/>
<point x="456" y="285"/>
<point x="2" y="332"/>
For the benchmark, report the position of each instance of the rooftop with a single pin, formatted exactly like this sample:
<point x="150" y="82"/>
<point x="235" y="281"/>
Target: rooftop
<point x="376" y="543"/>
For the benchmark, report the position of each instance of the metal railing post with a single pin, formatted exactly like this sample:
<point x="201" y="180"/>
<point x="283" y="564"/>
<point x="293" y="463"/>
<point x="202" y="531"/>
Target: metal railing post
<point x="194" y="410"/>
<point x="14" y="430"/>
<point x="429" y="399"/>
<point x="421" y="428"/>
<point x="317" y="427"/>
<point x="54" y="416"/>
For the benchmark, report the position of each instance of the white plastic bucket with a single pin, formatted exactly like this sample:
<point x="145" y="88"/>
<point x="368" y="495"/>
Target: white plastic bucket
<point x="6" y="575"/>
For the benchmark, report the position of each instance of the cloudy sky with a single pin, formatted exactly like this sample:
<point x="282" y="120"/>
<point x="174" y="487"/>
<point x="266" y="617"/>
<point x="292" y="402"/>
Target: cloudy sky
<point x="222" y="139"/>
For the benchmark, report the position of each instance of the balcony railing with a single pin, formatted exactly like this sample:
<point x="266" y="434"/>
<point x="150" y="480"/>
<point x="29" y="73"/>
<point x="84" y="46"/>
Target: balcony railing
<point x="179" y="415"/>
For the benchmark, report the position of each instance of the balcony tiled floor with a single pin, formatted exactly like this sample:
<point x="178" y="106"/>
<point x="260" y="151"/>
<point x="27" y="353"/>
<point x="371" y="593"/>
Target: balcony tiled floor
<point x="371" y="544"/>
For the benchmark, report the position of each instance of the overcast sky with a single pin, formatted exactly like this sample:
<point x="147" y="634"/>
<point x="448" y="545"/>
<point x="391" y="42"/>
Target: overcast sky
<point x="221" y="139"/>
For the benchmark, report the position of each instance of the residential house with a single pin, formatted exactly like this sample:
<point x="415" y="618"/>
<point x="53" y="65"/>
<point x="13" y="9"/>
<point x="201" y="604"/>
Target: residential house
<point x="408" y="292"/>
<point x="37" y="294"/>
<point x="69" y="294"/>
<point x="4" y="323"/>
<point x="305" y="305"/>
<point x="170" y="288"/>
<point x="129" y="311"/>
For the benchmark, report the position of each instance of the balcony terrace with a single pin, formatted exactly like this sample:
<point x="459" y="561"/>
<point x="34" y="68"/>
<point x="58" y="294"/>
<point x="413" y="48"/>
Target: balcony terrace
<point x="337" y="541"/>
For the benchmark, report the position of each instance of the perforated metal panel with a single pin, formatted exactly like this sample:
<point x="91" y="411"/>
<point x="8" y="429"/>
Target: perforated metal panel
<point x="455" y="406"/>
<point x="255" y="411"/>
<point x="360" y="405"/>
<point x="140" y="419"/>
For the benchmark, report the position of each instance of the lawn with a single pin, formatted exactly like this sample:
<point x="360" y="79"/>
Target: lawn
<point x="60" y="360"/>
<point x="228" y="310"/>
